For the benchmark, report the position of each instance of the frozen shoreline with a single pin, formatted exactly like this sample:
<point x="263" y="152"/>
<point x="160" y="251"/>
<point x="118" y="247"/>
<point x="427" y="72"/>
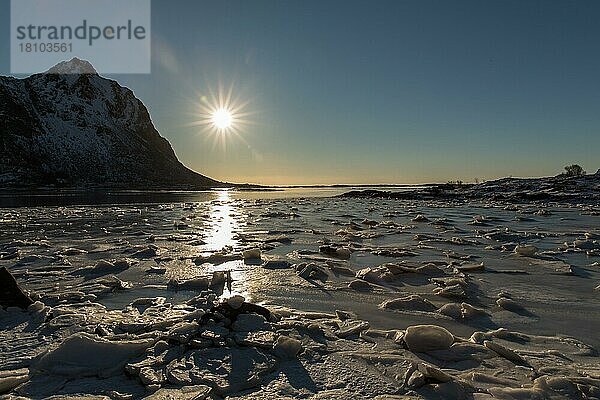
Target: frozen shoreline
<point x="135" y="280"/>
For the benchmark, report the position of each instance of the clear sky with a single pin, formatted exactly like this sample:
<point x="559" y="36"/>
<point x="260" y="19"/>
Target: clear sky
<point x="377" y="91"/>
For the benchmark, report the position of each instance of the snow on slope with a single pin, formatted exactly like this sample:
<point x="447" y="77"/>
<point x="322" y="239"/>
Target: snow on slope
<point x="80" y="128"/>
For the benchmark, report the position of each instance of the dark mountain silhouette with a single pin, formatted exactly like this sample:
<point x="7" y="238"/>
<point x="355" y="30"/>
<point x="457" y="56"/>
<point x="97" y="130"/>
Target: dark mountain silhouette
<point x="71" y="127"/>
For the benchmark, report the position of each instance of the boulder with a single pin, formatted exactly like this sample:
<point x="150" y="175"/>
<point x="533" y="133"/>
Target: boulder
<point x="11" y="294"/>
<point x="423" y="338"/>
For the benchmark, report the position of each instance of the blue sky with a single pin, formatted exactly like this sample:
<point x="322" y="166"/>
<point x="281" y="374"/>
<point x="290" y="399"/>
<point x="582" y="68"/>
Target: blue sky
<point x="377" y="91"/>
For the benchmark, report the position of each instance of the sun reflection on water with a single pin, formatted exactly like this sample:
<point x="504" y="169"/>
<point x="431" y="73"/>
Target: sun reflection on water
<point x="225" y="222"/>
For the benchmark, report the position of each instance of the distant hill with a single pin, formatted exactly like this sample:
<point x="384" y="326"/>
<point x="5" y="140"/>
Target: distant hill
<point x="577" y="189"/>
<point x="71" y="127"/>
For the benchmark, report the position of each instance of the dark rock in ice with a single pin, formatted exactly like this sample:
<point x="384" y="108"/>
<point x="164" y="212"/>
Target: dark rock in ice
<point x="11" y="295"/>
<point x="145" y="253"/>
<point x="337" y="252"/>
<point x="360" y="285"/>
<point x="277" y="264"/>
<point x="227" y="311"/>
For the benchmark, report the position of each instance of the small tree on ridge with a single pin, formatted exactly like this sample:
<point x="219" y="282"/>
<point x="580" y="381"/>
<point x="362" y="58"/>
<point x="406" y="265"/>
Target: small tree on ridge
<point x="574" y="170"/>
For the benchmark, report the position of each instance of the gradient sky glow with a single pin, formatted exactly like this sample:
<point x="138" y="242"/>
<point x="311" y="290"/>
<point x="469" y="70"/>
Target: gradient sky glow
<point x="376" y="91"/>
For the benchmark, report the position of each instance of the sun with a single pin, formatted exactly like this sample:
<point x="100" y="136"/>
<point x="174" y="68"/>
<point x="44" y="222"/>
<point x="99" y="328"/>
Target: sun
<point x="222" y="119"/>
<point x="222" y="115"/>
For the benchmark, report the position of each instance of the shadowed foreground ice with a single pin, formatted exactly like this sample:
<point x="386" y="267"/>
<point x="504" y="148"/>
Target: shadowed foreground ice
<point x="264" y="296"/>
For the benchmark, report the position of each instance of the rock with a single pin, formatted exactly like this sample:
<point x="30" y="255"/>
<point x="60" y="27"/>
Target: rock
<point x="431" y="372"/>
<point x="420" y="218"/>
<point x="183" y="331"/>
<point x="373" y="275"/>
<point x="277" y="264"/>
<point x="409" y="303"/>
<point x="36" y="307"/>
<point x="260" y="339"/>
<point x="72" y="251"/>
<point x="470" y="268"/>
<point x="337" y="252"/>
<point x="360" y="285"/>
<point x="585" y="244"/>
<point x="510" y="305"/>
<point x="104" y="267"/>
<point x="250" y="322"/>
<point x="196" y="392"/>
<point x="351" y="327"/>
<point x="313" y="271"/>
<point x="461" y="311"/>
<point x="114" y="283"/>
<point x="452" y="291"/>
<point x="83" y="354"/>
<point x="526" y="250"/>
<point x="505" y="352"/>
<point x="148" y="252"/>
<point x="152" y="376"/>
<point x="343" y="253"/>
<point x="252" y="254"/>
<point x="462" y="351"/>
<point x="287" y="348"/>
<point x="235" y="301"/>
<point x="217" y="282"/>
<point x="11" y="295"/>
<point x="13" y="378"/>
<point x="423" y="338"/>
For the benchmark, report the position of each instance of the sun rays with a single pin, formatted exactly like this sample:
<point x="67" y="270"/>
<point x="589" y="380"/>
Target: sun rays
<point x="221" y="115"/>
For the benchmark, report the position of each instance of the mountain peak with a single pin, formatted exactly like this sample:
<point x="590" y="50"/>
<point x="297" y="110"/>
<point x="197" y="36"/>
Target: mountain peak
<point x="73" y="66"/>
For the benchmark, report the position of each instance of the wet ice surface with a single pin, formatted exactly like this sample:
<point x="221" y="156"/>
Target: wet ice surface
<point x="124" y="289"/>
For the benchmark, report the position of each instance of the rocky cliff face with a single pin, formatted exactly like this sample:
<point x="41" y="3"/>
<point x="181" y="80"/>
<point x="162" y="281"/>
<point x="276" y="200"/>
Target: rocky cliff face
<point x="72" y="127"/>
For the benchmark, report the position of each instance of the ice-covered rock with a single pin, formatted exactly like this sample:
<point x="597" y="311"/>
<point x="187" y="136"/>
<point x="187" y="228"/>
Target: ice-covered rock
<point x="343" y="253"/>
<point x="505" y="352"/>
<point x="277" y="264"/>
<point x="312" y="271"/>
<point x="350" y="327"/>
<point x="360" y="285"/>
<point x="250" y="322"/>
<point x="235" y="301"/>
<point x="83" y="354"/>
<point x="10" y="379"/>
<point x="287" y="347"/>
<point x="251" y="254"/>
<point x="183" y="331"/>
<point x="423" y="338"/>
<point x="510" y="305"/>
<point x="451" y="291"/>
<point x="194" y="392"/>
<point x="420" y="218"/>
<point x="338" y="252"/>
<point x="461" y="311"/>
<point x="526" y="250"/>
<point x="147" y="252"/>
<point x="412" y="302"/>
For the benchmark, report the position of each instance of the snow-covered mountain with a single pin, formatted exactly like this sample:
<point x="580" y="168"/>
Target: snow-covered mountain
<point x="72" y="127"/>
